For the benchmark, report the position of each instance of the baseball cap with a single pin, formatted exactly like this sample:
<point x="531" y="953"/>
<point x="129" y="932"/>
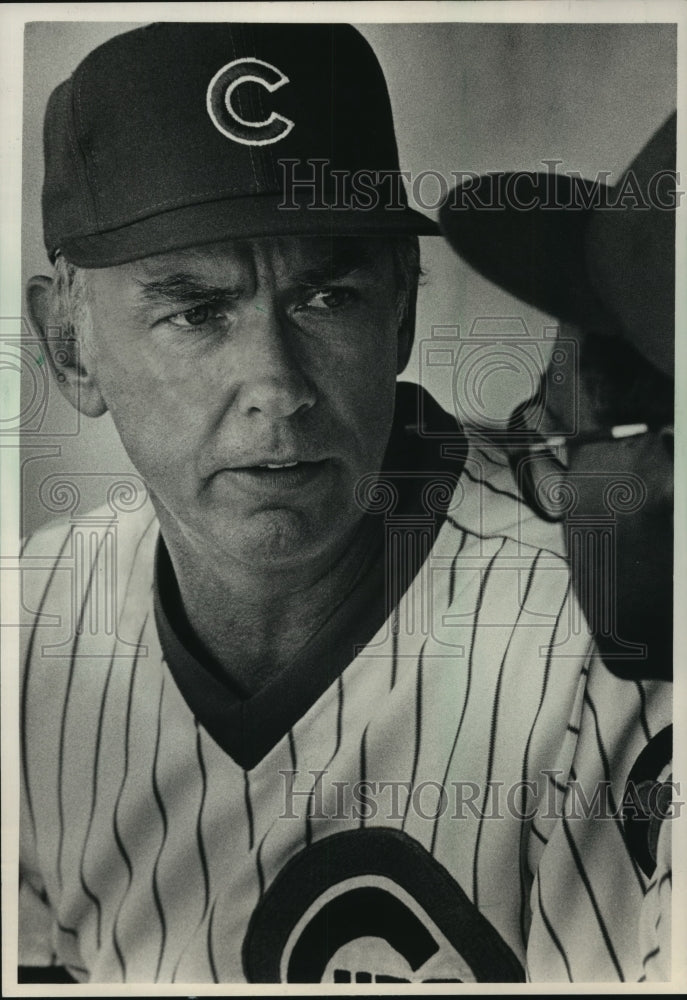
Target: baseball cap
<point x="182" y="134"/>
<point x="578" y="249"/>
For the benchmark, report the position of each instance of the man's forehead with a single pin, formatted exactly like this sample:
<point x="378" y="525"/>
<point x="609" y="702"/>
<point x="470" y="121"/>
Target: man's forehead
<point x="302" y="253"/>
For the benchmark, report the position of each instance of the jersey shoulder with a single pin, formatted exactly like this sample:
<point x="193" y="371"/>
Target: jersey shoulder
<point x="489" y="504"/>
<point x="76" y="574"/>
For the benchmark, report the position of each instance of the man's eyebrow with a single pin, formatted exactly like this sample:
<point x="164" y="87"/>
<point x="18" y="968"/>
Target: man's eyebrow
<point x="185" y="287"/>
<point x="182" y="287"/>
<point x="342" y="264"/>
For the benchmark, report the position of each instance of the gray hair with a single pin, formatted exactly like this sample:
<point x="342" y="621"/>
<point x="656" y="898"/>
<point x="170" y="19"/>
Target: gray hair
<point x="70" y="301"/>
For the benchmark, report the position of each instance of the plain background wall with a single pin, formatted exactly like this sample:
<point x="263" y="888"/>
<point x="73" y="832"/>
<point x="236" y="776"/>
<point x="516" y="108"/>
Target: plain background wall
<point x="465" y="97"/>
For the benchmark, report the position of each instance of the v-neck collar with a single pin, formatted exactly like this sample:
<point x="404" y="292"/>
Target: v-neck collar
<point x="248" y="727"/>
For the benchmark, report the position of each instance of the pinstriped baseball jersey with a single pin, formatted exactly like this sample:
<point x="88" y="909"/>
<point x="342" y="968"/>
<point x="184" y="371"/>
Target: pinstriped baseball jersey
<point x="656" y="923"/>
<point x="445" y="809"/>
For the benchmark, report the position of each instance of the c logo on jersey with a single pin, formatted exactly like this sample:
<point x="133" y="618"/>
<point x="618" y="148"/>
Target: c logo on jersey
<point x="371" y="906"/>
<point x="225" y="117"/>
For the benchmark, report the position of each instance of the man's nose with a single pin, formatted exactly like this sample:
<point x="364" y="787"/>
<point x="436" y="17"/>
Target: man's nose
<point x="275" y="383"/>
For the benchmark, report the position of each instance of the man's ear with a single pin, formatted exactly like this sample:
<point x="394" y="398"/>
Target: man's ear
<point x="406" y="332"/>
<point x="67" y="361"/>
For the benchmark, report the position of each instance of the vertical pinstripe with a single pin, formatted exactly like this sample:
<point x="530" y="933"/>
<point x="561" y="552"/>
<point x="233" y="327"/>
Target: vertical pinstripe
<point x="249" y="808"/>
<point x="337" y="746"/>
<point x="551" y="932"/>
<point x="94" y="794"/>
<point x="642" y="716"/>
<point x="202" y="854"/>
<point x="211" y="953"/>
<point x="199" y="822"/>
<point x="27" y="669"/>
<point x="134" y="566"/>
<point x="163" y="815"/>
<point x="259" y="868"/>
<point x="603" y="757"/>
<point x="98" y="745"/>
<point x="592" y="897"/>
<point x="395" y="626"/>
<point x="65" y="707"/>
<point x="478" y="605"/>
<point x="292" y="751"/>
<point x="526" y="758"/>
<point x="454" y="566"/>
<point x="116" y="830"/>
<point x="418" y="731"/>
<point x="363" y="768"/>
<point x="492" y="734"/>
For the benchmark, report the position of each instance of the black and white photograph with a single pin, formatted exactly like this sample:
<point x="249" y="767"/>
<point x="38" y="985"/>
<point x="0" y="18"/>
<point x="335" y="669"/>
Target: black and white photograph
<point x="340" y="572"/>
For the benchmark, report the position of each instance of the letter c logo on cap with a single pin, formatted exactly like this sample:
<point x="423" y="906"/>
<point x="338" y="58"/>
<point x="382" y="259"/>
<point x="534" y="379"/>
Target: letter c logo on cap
<point x="224" y="116"/>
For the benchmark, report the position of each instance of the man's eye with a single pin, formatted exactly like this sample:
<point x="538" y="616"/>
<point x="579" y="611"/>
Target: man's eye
<point x="197" y="316"/>
<point x="328" y="298"/>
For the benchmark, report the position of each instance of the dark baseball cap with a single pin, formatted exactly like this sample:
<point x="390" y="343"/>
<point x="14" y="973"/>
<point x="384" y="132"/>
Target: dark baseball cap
<point x="176" y="135"/>
<point x="583" y="251"/>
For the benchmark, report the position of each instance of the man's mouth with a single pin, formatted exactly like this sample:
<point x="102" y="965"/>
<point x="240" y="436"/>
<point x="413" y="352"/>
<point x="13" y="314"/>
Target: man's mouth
<point x="277" y="476"/>
<point x="273" y="462"/>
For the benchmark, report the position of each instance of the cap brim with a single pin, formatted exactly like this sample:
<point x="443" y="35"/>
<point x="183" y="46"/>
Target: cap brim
<point x="238" y="218"/>
<point x="631" y="254"/>
<point x="535" y="253"/>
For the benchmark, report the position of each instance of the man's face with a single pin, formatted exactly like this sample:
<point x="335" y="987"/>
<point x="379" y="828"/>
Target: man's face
<point x="252" y="384"/>
<point x="641" y="513"/>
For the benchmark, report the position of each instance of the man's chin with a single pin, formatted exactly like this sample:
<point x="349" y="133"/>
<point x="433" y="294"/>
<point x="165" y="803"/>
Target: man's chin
<point x="281" y="538"/>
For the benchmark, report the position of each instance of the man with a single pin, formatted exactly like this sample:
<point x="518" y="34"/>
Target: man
<point x="328" y="736"/>
<point x="607" y="272"/>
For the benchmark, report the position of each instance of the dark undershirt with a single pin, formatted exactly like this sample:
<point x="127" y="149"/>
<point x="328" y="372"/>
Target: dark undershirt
<point x="247" y="727"/>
